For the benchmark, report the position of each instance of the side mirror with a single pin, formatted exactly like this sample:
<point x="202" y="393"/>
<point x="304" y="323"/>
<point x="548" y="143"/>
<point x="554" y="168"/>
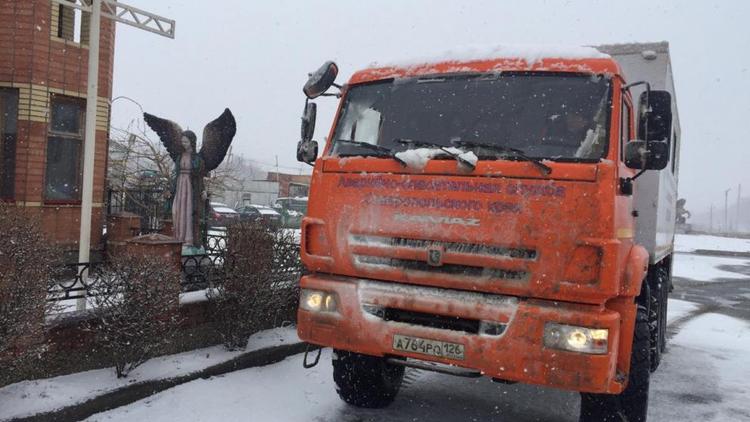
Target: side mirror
<point x="308" y="121"/>
<point x="320" y="80"/>
<point x="655" y="123"/>
<point x="647" y="155"/>
<point x="307" y="151"/>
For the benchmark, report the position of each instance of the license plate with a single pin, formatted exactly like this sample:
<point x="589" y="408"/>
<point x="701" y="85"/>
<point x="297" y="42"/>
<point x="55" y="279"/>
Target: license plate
<point x="423" y="346"/>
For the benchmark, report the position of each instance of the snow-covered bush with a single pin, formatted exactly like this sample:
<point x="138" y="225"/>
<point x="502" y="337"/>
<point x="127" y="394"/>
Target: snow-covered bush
<point x="135" y="301"/>
<point x="28" y="264"/>
<point x="260" y="287"/>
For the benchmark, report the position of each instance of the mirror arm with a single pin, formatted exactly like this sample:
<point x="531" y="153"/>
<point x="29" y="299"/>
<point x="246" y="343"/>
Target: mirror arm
<point x="637" y="175"/>
<point x="630" y="85"/>
<point x="648" y="101"/>
<point x="626" y="183"/>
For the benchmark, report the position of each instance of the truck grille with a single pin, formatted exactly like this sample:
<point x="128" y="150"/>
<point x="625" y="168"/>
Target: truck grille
<point x="454" y="247"/>
<point x="442" y="322"/>
<point x="452" y="269"/>
<point x="462" y="259"/>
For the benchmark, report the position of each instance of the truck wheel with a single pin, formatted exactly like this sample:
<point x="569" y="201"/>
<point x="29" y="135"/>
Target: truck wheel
<point x="666" y="282"/>
<point x="654" y="320"/>
<point x="657" y="318"/>
<point x="365" y="381"/>
<point x="632" y="404"/>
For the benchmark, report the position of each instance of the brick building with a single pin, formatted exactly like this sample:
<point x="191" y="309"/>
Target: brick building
<point x="291" y="184"/>
<point x="43" y="77"/>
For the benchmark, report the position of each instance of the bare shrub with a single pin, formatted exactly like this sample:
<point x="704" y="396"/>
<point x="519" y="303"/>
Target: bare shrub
<point x="135" y="300"/>
<point x="28" y="265"/>
<point x="260" y="287"/>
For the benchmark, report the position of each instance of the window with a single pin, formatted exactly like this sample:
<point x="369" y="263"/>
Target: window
<point x="624" y="128"/>
<point x="8" y="122"/>
<point x="72" y="24"/>
<point x="64" y="145"/>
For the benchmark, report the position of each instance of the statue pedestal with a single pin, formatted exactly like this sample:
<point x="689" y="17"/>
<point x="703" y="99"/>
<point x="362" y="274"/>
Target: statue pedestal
<point x="156" y="244"/>
<point x="121" y="227"/>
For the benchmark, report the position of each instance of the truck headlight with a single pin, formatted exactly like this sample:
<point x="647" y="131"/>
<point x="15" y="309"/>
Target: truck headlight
<point x="576" y="339"/>
<point x="318" y="301"/>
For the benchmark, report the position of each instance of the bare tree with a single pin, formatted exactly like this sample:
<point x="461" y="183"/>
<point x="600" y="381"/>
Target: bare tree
<point x="135" y="159"/>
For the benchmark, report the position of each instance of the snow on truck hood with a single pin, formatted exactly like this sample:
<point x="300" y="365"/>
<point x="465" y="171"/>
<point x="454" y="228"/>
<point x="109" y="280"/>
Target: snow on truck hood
<point x="529" y="53"/>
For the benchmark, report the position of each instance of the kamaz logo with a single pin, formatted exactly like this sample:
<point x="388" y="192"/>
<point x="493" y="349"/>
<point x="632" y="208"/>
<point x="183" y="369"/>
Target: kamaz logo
<point x="436" y="219"/>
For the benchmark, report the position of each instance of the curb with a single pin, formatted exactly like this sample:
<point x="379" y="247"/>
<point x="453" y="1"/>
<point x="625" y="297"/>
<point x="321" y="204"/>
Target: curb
<point x="132" y="393"/>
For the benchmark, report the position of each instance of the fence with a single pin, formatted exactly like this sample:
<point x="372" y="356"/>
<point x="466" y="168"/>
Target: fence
<point x="150" y="205"/>
<point x="198" y="271"/>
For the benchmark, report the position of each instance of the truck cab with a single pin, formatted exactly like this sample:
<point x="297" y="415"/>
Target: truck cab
<point x="478" y="215"/>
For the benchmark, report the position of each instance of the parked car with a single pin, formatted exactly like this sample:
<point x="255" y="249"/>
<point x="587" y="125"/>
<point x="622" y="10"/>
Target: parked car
<point x="222" y="215"/>
<point x="261" y="213"/>
<point x="292" y="210"/>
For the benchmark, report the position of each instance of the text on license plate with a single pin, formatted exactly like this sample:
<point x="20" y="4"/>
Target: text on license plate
<point x="441" y="349"/>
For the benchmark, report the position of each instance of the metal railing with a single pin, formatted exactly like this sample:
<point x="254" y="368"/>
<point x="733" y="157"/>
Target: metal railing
<point x="71" y="285"/>
<point x="198" y="271"/>
<point x="150" y="205"/>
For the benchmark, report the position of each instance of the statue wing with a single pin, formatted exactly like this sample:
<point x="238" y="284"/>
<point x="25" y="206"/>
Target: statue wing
<point x="217" y="136"/>
<point x="169" y="132"/>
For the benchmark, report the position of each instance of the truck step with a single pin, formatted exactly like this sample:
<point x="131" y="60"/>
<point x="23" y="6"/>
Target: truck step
<point x="436" y="367"/>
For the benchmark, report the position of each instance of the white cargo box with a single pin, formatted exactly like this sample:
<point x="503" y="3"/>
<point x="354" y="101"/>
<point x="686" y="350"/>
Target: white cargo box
<point x="655" y="192"/>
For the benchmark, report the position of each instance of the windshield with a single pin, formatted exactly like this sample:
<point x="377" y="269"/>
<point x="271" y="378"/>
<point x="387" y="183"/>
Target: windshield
<point x="558" y="116"/>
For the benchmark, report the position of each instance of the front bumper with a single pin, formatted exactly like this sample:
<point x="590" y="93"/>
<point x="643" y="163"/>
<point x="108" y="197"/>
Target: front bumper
<point x="518" y="354"/>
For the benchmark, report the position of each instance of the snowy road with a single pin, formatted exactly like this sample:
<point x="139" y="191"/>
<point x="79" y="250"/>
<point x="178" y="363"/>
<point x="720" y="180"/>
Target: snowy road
<point x="704" y="376"/>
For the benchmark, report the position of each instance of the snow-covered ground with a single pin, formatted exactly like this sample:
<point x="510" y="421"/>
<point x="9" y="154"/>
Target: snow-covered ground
<point x="691" y="242"/>
<point x="44" y="395"/>
<point x="705" y="376"/>
<point x="678" y="309"/>
<point x="706" y="268"/>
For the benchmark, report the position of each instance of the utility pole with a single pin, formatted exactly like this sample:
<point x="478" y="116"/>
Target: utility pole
<point x="128" y="15"/>
<point x="711" y="220"/>
<point x="737" y="218"/>
<point x="726" y="211"/>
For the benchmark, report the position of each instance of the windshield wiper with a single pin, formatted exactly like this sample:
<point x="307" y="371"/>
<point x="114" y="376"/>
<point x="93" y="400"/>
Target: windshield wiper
<point x="382" y="151"/>
<point x="424" y="144"/>
<point x="505" y="149"/>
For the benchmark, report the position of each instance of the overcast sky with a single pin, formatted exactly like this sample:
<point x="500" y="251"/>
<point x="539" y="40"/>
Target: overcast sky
<point x="253" y="57"/>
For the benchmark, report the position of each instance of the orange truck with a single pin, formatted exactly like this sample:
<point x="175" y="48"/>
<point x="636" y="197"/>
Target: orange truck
<point x="504" y="212"/>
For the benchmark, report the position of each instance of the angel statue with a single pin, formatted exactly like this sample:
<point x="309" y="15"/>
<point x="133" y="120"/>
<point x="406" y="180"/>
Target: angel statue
<point x="191" y="167"/>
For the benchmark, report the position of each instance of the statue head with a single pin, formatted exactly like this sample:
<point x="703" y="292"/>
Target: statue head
<point x="189" y="141"/>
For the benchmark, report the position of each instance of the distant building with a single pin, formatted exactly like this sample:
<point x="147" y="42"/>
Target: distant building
<point x="258" y="192"/>
<point x="43" y="78"/>
<point x="291" y="184"/>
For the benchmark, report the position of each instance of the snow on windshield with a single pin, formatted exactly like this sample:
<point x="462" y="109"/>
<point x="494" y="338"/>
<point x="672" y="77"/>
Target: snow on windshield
<point x="530" y="53"/>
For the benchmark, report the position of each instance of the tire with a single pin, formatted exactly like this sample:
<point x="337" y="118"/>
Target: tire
<point x="657" y="313"/>
<point x="654" y="319"/>
<point x="365" y="381"/>
<point x="632" y="404"/>
<point x="666" y="284"/>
